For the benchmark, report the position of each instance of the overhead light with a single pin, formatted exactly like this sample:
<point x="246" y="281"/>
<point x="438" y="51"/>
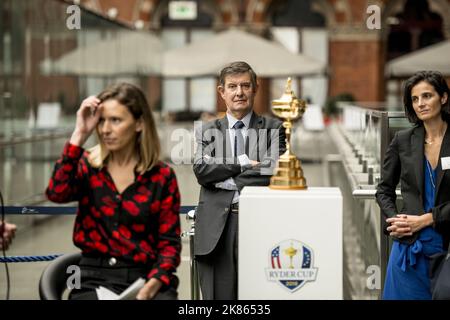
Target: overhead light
<point x="112" y="13"/>
<point x="139" y="24"/>
<point x="393" y="20"/>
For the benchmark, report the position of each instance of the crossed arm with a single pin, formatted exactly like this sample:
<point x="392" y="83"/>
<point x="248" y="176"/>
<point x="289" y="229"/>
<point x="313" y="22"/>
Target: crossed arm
<point x="212" y="171"/>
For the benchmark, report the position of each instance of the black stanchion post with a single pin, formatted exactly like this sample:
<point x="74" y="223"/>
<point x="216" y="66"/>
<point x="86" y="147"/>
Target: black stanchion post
<point x="195" y="288"/>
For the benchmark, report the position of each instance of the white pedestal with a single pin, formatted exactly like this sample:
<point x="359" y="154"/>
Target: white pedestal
<point x="307" y="224"/>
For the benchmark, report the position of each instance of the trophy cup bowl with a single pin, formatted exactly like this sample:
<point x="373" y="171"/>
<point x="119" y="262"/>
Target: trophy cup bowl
<point x="288" y="174"/>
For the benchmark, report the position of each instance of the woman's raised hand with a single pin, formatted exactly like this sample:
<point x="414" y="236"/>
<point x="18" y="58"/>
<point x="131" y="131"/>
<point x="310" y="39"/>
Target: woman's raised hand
<point x="88" y="116"/>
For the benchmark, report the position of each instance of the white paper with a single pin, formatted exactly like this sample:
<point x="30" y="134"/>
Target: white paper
<point x="128" y="294"/>
<point x="105" y="294"/>
<point x="445" y="163"/>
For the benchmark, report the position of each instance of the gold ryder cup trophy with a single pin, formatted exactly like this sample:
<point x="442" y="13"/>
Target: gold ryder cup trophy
<point x="289" y="173"/>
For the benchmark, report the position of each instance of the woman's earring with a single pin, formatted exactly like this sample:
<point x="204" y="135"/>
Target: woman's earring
<point x="139" y="136"/>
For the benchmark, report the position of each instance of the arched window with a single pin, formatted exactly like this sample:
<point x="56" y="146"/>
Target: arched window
<point x="413" y="28"/>
<point x="296" y="14"/>
<point x="180" y="94"/>
<point x="301" y="29"/>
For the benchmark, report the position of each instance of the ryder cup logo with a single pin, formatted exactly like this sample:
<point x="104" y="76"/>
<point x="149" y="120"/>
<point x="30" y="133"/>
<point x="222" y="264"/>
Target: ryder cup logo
<point x="291" y="264"/>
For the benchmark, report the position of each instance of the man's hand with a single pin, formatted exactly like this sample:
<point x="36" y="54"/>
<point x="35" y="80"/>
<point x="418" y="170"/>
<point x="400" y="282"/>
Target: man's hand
<point x="254" y="163"/>
<point x="149" y="290"/>
<point x="9" y="231"/>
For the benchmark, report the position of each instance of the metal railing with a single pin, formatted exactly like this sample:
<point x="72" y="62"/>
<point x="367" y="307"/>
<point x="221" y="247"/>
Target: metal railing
<point x="362" y="139"/>
<point x="195" y="285"/>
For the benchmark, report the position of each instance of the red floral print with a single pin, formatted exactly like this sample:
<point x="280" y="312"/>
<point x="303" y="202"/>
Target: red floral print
<point x="109" y="223"/>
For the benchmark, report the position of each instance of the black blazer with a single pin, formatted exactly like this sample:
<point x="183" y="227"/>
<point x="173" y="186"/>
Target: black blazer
<point x="214" y="203"/>
<point x="403" y="162"/>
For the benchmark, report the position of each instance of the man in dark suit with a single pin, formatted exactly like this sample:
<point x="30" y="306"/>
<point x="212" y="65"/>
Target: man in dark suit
<point x="238" y="150"/>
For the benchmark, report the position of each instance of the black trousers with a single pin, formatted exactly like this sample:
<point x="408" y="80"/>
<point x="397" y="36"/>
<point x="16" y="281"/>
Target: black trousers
<point x="218" y="271"/>
<point x="97" y="272"/>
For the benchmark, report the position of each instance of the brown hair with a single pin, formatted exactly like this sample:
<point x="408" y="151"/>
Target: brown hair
<point x="237" y="67"/>
<point x="147" y="143"/>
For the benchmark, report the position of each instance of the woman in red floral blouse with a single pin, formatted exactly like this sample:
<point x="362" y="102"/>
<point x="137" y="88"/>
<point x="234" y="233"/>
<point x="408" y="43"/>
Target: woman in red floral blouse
<point x="127" y="224"/>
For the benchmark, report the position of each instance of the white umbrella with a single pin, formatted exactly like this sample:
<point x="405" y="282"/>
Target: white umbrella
<point x="434" y="57"/>
<point x="129" y="53"/>
<point x="209" y="56"/>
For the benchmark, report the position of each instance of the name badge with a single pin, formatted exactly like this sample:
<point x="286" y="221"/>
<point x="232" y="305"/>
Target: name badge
<point x="445" y="163"/>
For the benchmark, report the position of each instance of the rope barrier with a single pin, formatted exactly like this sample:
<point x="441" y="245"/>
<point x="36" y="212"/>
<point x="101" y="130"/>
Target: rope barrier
<point x="29" y="258"/>
<point x="53" y="210"/>
<point x="50" y="211"/>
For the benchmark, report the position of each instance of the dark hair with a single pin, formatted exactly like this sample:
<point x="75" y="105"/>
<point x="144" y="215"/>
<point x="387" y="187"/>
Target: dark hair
<point x="437" y="80"/>
<point x="237" y="67"/>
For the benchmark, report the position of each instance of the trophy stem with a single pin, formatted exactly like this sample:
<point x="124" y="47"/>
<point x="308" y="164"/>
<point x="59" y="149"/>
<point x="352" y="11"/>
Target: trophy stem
<point x="288" y="125"/>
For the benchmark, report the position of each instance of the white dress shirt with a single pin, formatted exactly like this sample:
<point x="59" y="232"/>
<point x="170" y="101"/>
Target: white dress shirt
<point x="243" y="159"/>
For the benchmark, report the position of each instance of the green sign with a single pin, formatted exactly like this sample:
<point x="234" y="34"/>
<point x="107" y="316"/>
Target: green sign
<point x="183" y="10"/>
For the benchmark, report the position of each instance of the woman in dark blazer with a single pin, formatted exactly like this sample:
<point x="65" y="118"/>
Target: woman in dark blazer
<point x="418" y="158"/>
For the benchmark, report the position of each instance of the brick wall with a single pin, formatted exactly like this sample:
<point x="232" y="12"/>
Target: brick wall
<point x="356" y="68"/>
<point x="125" y="8"/>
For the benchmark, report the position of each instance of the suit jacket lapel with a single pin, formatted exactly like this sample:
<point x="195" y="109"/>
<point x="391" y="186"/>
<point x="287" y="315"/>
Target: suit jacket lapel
<point x="226" y="152"/>
<point x="256" y="122"/>
<point x="417" y="154"/>
<point x="444" y="152"/>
